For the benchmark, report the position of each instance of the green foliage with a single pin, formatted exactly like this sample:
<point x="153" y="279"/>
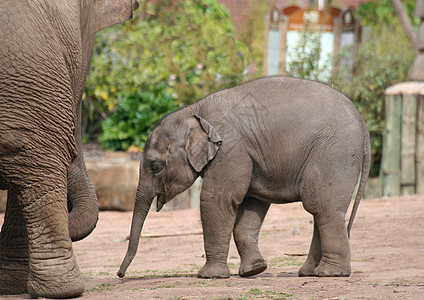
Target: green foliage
<point x="381" y="12"/>
<point x="364" y="81"/>
<point x="136" y="115"/>
<point x="364" y="74"/>
<point x="252" y="34"/>
<point x="379" y="63"/>
<point x="305" y="60"/>
<point x="172" y="53"/>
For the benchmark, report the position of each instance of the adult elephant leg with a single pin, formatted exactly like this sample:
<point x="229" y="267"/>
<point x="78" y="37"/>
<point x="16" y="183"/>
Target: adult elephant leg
<point x="13" y="249"/>
<point x="314" y="256"/>
<point x="53" y="271"/>
<point x="250" y="216"/>
<point x="82" y="201"/>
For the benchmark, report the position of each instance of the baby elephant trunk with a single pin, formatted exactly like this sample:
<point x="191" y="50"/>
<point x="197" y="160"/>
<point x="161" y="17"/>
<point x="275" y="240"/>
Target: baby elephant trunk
<point x="141" y="208"/>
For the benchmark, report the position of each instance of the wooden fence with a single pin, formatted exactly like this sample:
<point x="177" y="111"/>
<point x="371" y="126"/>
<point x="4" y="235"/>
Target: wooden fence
<point x="402" y="165"/>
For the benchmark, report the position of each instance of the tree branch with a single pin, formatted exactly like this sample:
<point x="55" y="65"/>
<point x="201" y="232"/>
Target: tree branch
<point x="405" y="22"/>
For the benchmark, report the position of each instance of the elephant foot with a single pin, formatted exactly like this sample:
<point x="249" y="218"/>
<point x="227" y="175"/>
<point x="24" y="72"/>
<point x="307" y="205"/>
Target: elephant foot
<point x="13" y="282"/>
<point x="214" y="270"/>
<point x="330" y="269"/>
<point x="308" y="269"/>
<point x="65" y="289"/>
<point x="306" y="272"/>
<point x="64" y="282"/>
<point x="252" y="268"/>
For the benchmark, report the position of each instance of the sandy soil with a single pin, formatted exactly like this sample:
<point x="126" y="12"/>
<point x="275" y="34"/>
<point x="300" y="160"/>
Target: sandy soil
<point x="387" y="242"/>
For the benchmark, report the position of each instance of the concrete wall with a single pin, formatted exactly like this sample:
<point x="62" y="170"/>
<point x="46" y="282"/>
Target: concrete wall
<point x="115" y="178"/>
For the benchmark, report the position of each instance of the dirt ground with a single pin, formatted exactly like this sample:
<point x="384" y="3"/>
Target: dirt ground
<point x="387" y="242"/>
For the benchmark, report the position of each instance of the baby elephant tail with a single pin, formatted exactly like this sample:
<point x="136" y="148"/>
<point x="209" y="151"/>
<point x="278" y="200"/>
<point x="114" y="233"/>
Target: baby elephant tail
<point x="364" y="176"/>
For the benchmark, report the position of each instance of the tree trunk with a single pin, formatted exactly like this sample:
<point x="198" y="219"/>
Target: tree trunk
<point x="405" y="22"/>
<point x="417" y="70"/>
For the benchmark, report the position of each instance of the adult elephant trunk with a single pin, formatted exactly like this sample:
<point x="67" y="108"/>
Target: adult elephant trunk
<point x="82" y="200"/>
<point x="141" y="208"/>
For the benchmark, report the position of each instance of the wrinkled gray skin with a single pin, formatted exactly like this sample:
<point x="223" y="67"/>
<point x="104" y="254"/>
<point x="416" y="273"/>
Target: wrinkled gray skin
<point x="272" y="140"/>
<point x="45" y="51"/>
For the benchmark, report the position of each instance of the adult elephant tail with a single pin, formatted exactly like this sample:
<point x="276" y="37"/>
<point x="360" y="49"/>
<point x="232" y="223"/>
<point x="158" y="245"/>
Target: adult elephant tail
<point x="82" y="201"/>
<point x="366" y="163"/>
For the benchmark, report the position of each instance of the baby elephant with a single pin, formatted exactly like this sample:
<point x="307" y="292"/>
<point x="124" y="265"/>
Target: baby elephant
<point x="271" y="140"/>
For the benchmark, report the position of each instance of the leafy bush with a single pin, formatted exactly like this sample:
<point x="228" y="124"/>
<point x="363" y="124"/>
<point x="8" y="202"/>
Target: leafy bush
<point x="136" y="114"/>
<point x="364" y="81"/>
<point x="252" y="34"/>
<point x="379" y="13"/>
<point x="362" y="75"/>
<point x="384" y="59"/>
<point x="305" y="60"/>
<point x="172" y="52"/>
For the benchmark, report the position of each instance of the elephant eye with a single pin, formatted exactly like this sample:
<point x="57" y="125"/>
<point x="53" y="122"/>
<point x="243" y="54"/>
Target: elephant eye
<point x="156" y="166"/>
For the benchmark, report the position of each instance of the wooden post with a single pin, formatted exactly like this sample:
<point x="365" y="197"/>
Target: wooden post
<point x="407" y="152"/>
<point x="420" y="145"/>
<point x="390" y="165"/>
<point x="402" y="165"/>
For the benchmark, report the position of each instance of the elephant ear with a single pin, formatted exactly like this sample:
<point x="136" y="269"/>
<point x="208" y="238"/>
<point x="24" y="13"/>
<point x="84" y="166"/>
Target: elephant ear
<point x="203" y="142"/>
<point x="111" y="12"/>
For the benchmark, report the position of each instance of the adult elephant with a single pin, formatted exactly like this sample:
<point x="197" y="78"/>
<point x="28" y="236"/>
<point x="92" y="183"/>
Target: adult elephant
<point x="45" y="51"/>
